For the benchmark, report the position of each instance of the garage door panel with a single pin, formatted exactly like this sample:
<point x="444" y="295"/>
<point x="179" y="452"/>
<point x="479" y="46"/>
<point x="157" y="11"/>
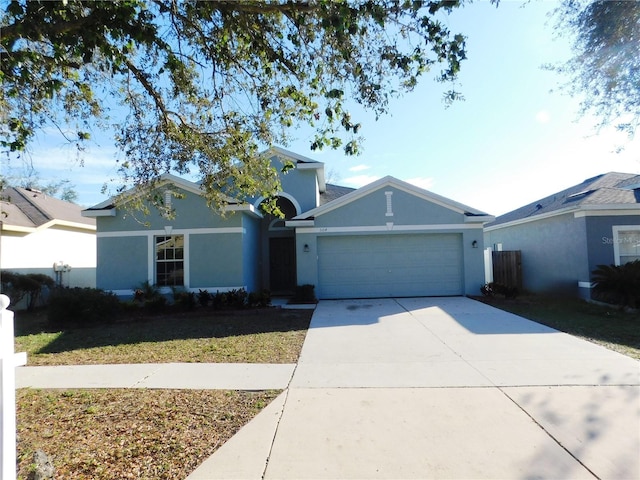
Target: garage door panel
<point x="390" y="265"/>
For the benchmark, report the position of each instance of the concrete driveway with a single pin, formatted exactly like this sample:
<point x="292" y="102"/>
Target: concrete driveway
<point x="442" y="388"/>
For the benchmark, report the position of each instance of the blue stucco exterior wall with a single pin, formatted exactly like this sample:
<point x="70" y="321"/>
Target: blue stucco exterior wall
<point x="473" y="260"/>
<point x="214" y="246"/>
<point x="251" y="255"/>
<point x="215" y="260"/>
<point x="299" y="184"/>
<point x="192" y="212"/>
<point x="302" y="185"/>
<point x="122" y="262"/>
<point x="554" y="252"/>
<point x="600" y="238"/>
<point x="560" y="251"/>
<point x="371" y="210"/>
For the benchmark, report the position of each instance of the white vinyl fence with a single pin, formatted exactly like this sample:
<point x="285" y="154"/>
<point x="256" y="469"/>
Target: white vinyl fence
<point x="9" y="360"/>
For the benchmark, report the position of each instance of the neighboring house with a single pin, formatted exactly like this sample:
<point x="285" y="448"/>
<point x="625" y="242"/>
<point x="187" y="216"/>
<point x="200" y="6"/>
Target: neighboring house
<point x="42" y="234"/>
<point x="386" y="239"/>
<point x="565" y="236"/>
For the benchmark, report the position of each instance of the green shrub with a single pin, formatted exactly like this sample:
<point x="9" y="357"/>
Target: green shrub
<point x="155" y="304"/>
<point x="184" y="300"/>
<point x="146" y="292"/>
<point x="28" y="286"/>
<point x="204" y="298"/>
<point x="305" y="294"/>
<point x="219" y="300"/>
<point x="618" y="284"/>
<point x="260" y="299"/>
<point x="73" y="307"/>
<point x="150" y="297"/>
<point x="237" y="298"/>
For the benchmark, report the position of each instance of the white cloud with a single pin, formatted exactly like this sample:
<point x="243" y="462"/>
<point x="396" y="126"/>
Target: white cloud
<point x="422" y="182"/>
<point x="359" y="180"/>
<point x="359" y="168"/>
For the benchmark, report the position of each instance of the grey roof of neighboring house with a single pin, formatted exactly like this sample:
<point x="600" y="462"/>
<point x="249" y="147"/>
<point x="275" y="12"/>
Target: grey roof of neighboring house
<point x="333" y="192"/>
<point x="23" y="207"/>
<point x="611" y="188"/>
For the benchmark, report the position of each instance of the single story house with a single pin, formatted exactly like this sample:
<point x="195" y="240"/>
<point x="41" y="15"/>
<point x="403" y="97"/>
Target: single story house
<point x="386" y="239"/>
<point x="42" y="234"/>
<point x="565" y="236"/>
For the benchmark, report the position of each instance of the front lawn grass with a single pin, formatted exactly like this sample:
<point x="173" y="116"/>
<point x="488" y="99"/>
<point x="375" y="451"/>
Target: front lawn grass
<point x="135" y="433"/>
<point x="609" y="326"/>
<point x="244" y="336"/>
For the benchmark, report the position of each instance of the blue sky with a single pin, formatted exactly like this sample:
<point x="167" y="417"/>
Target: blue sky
<point x="514" y="139"/>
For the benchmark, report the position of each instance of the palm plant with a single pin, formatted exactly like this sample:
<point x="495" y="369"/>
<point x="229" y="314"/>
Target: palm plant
<point x="618" y="283"/>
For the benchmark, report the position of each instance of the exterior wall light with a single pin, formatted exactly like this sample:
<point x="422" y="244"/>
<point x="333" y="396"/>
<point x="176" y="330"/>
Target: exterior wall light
<point x="474" y="244"/>
<point x="306" y="248"/>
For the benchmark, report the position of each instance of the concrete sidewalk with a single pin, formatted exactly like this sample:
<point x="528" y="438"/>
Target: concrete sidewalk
<point x="213" y="376"/>
<point x="415" y="388"/>
<point x="441" y="388"/>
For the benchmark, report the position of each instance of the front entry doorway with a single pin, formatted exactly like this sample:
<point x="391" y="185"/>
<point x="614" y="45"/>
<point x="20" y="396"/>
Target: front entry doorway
<point x="282" y="265"/>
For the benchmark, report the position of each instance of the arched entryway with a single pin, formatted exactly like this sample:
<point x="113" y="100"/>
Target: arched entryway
<point x="279" y="250"/>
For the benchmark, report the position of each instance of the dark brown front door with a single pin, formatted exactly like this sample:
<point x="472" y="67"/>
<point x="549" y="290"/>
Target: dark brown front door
<point x="282" y="265"/>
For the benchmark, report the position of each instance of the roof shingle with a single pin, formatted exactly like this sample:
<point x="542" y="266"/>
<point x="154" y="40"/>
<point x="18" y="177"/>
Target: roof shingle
<point x="31" y="208"/>
<point x="333" y="192"/>
<point x="611" y="188"/>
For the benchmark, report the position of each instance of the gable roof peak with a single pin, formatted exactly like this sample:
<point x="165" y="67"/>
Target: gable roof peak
<point x="292" y="155"/>
<point x="400" y="185"/>
<point x="302" y="163"/>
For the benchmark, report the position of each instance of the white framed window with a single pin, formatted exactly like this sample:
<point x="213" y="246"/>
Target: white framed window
<point x="169" y="260"/>
<point x="626" y="243"/>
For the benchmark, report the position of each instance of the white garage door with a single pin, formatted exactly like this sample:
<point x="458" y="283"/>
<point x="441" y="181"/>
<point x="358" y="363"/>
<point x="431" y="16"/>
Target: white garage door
<point x="390" y="265"/>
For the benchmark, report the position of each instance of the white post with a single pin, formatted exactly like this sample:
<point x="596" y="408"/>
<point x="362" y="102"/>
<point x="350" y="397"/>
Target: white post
<point x="488" y="265"/>
<point x="9" y="360"/>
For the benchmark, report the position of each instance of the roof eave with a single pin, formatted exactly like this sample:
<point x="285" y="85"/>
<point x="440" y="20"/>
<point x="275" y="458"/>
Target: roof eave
<point x="532" y="218"/>
<point x="479" y="218"/>
<point x="49" y="224"/>
<point x="68" y="224"/>
<point x="94" y="212"/>
<point x="243" y="207"/>
<point x="17" y="228"/>
<point x="609" y="209"/>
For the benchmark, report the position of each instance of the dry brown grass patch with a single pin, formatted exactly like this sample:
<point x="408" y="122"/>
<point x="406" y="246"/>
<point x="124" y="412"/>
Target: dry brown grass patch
<point x="133" y="433"/>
